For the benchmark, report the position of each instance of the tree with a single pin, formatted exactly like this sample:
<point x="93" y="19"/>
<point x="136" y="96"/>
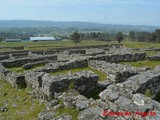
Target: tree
<point x="119" y="37"/>
<point x="75" y="37"/>
<point x="1" y="39"/>
<point x="141" y="37"/>
<point x="152" y="37"/>
<point x="132" y="35"/>
<point x="157" y="39"/>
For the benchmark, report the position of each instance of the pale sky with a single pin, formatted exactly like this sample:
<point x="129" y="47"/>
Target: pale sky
<point x="134" y="12"/>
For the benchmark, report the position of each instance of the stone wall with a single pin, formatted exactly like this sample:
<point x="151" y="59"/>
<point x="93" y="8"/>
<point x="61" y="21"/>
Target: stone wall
<point x="84" y="82"/>
<point x="115" y="72"/>
<point x="124" y="101"/>
<point x="23" y="61"/>
<point x="78" y="51"/>
<point x="155" y="57"/>
<point x="94" y="52"/>
<point x="34" y="64"/>
<point x="120" y="57"/>
<point x="58" y="66"/>
<point x="123" y="93"/>
<point x="16" y="80"/>
<point x="3" y="72"/>
<point x="33" y="79"/>
<point x="141" y="82"/>
<point x="3" y="57"/>
<point x="62" y="49"/>
<point x="20" y="55"/>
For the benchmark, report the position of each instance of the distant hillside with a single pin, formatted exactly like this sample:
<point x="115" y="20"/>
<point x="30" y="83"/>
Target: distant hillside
<point x="77" y="25"/>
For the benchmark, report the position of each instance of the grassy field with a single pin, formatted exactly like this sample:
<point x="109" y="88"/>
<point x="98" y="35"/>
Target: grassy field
<point x="18" y="103"/>
<point x="54" y="44"/>
<point x="58" y="44"/>
<point x="147" y="63"/>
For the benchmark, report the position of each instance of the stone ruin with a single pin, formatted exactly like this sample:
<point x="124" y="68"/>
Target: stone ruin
<point x="122" y="91"/>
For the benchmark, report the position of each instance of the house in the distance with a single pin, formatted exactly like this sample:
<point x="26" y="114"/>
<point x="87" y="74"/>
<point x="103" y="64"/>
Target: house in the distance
<point x="13" y="40"/>
<point x="36" y="39"/>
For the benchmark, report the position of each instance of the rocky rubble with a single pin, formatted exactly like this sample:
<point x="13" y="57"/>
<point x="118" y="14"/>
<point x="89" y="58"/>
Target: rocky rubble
<point x="70" y="99"/>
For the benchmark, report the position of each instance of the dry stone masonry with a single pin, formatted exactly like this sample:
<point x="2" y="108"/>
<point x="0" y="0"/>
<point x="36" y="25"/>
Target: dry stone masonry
<point x="116" y="72"/>
<point x="120" y="97"/>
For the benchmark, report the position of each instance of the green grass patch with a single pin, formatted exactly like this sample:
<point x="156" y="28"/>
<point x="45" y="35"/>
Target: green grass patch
<point x="102" y="76"/>
<point x="20" y="69"/>
<point x="148" y="93"/>
<point x="147" y="63"/>
<point x="17" y="69"/>
<point x="18" y="103"/>
<point x="51" y="44"/>
<point x="152" y="52"/>
<point x="132" y="44"/>
<point x="58" y="44"/>
<point x="39" y="65"/>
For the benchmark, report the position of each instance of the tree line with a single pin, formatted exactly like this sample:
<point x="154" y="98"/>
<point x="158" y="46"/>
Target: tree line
<point x="145" y="36"/>
<point x="78" y="37"/>
<point x="25" y="33"/>
<point x="132" y="35"/>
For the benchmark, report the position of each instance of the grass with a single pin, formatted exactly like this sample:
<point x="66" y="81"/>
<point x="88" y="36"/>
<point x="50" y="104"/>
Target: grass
<point x="152" y="52"/>
<point x="147" y="63"/>
<point x="135" y="44"/>
<point x="69" y="43"/>
<point x="17" y="69"/>
<point x="102" y="76"/>
<point x="20" y="69"/>
<point x="18" y="103"/>
<point x="148" y="93"/>
<point x="53" y="44"/>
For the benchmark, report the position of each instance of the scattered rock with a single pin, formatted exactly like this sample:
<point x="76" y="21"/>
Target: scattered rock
<point x="3" y="109"/>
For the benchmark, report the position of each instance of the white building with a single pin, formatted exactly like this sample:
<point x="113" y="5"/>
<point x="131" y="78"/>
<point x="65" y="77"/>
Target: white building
<point x="36" y="39"/>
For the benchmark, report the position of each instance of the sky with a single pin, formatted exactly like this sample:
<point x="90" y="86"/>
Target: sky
<point x="129" y="12"/>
